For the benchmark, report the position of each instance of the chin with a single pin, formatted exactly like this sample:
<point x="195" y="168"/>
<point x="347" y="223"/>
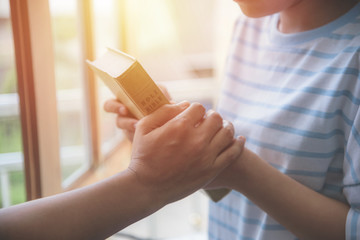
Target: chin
<point x="253" y="12"/>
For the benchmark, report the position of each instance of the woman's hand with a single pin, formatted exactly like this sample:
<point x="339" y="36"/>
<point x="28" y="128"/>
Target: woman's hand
<point x="180" y="148"/>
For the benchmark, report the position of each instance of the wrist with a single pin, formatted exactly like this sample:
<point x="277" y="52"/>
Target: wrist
<point x="242" y="171"/>
<point x="148" y="196"/>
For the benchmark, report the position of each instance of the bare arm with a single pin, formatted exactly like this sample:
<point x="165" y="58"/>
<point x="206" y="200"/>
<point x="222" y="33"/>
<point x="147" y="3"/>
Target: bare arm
<point x="304" y="212"/>
<point x="165" y="167"/>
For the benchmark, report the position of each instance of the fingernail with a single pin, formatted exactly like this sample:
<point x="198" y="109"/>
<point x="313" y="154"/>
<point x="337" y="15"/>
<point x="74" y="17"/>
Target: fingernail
<point x="228" y="125"/>
<point x="209" y="112"/>
<point x="122" y="110"/>
<point x="184" y="104"/>
<point x="241" y="139"/>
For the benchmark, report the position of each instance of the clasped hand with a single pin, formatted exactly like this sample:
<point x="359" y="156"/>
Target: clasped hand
<point x="179" y="148"/>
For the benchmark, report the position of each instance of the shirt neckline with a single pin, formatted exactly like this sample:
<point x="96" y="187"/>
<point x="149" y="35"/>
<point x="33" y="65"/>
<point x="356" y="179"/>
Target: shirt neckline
<point x="278" y="38"/>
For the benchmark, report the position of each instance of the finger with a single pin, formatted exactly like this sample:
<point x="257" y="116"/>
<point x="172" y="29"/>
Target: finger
<point x="230" y="154"/>
<point x="210" y="125"/>
<point x="113" y="106"/>
<point x="126" y="123"/>
<point x="193" y="115"/>
<point x="161" y="116"/>
<point x="129" y="134"/>
<point x="223" y="138"/>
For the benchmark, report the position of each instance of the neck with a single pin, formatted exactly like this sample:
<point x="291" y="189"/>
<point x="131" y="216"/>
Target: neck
<point x="309" y="14"/>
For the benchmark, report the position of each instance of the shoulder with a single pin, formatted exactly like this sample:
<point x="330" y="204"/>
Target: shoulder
<point x="347" y="31"/>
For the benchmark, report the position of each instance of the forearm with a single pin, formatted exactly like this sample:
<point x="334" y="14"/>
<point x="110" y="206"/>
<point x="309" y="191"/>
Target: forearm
<point x="176" y="151"/>
<point x="306" y="213"/>
<point x="95" y="212"/>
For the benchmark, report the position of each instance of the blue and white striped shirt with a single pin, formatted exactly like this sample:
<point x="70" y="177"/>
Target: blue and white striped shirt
<point x="296" y="99"/>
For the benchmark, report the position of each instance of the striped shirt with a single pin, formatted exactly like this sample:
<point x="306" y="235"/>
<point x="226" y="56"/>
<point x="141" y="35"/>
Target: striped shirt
<point x="296" y="99"/>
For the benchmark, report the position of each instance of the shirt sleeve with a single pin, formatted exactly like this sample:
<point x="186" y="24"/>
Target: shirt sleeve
<point x="351" y="180"/>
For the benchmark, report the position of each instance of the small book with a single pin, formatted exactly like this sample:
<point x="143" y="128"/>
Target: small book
<point x="131" y="84"/>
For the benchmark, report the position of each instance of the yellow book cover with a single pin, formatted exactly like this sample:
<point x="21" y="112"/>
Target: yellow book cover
<point x="130" y="83"/>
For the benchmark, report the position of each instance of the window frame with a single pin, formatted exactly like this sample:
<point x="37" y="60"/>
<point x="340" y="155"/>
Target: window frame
<point x="33" y="43"/>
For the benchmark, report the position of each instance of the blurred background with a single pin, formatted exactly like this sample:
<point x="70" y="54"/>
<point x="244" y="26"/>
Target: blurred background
<point x="181" y="43"/>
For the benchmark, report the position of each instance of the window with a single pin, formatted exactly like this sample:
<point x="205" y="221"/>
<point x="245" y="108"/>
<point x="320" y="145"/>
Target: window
<point x="173" y="40"/>
<point x="107" y="29"/>
<point x="62" y="138"/>
<point x="11" y="168"/>
<point x="69" y="89"/>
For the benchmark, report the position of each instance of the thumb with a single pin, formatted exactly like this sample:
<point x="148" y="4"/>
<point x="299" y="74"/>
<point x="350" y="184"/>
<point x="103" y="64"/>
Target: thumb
<point x="161" y="116"/>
